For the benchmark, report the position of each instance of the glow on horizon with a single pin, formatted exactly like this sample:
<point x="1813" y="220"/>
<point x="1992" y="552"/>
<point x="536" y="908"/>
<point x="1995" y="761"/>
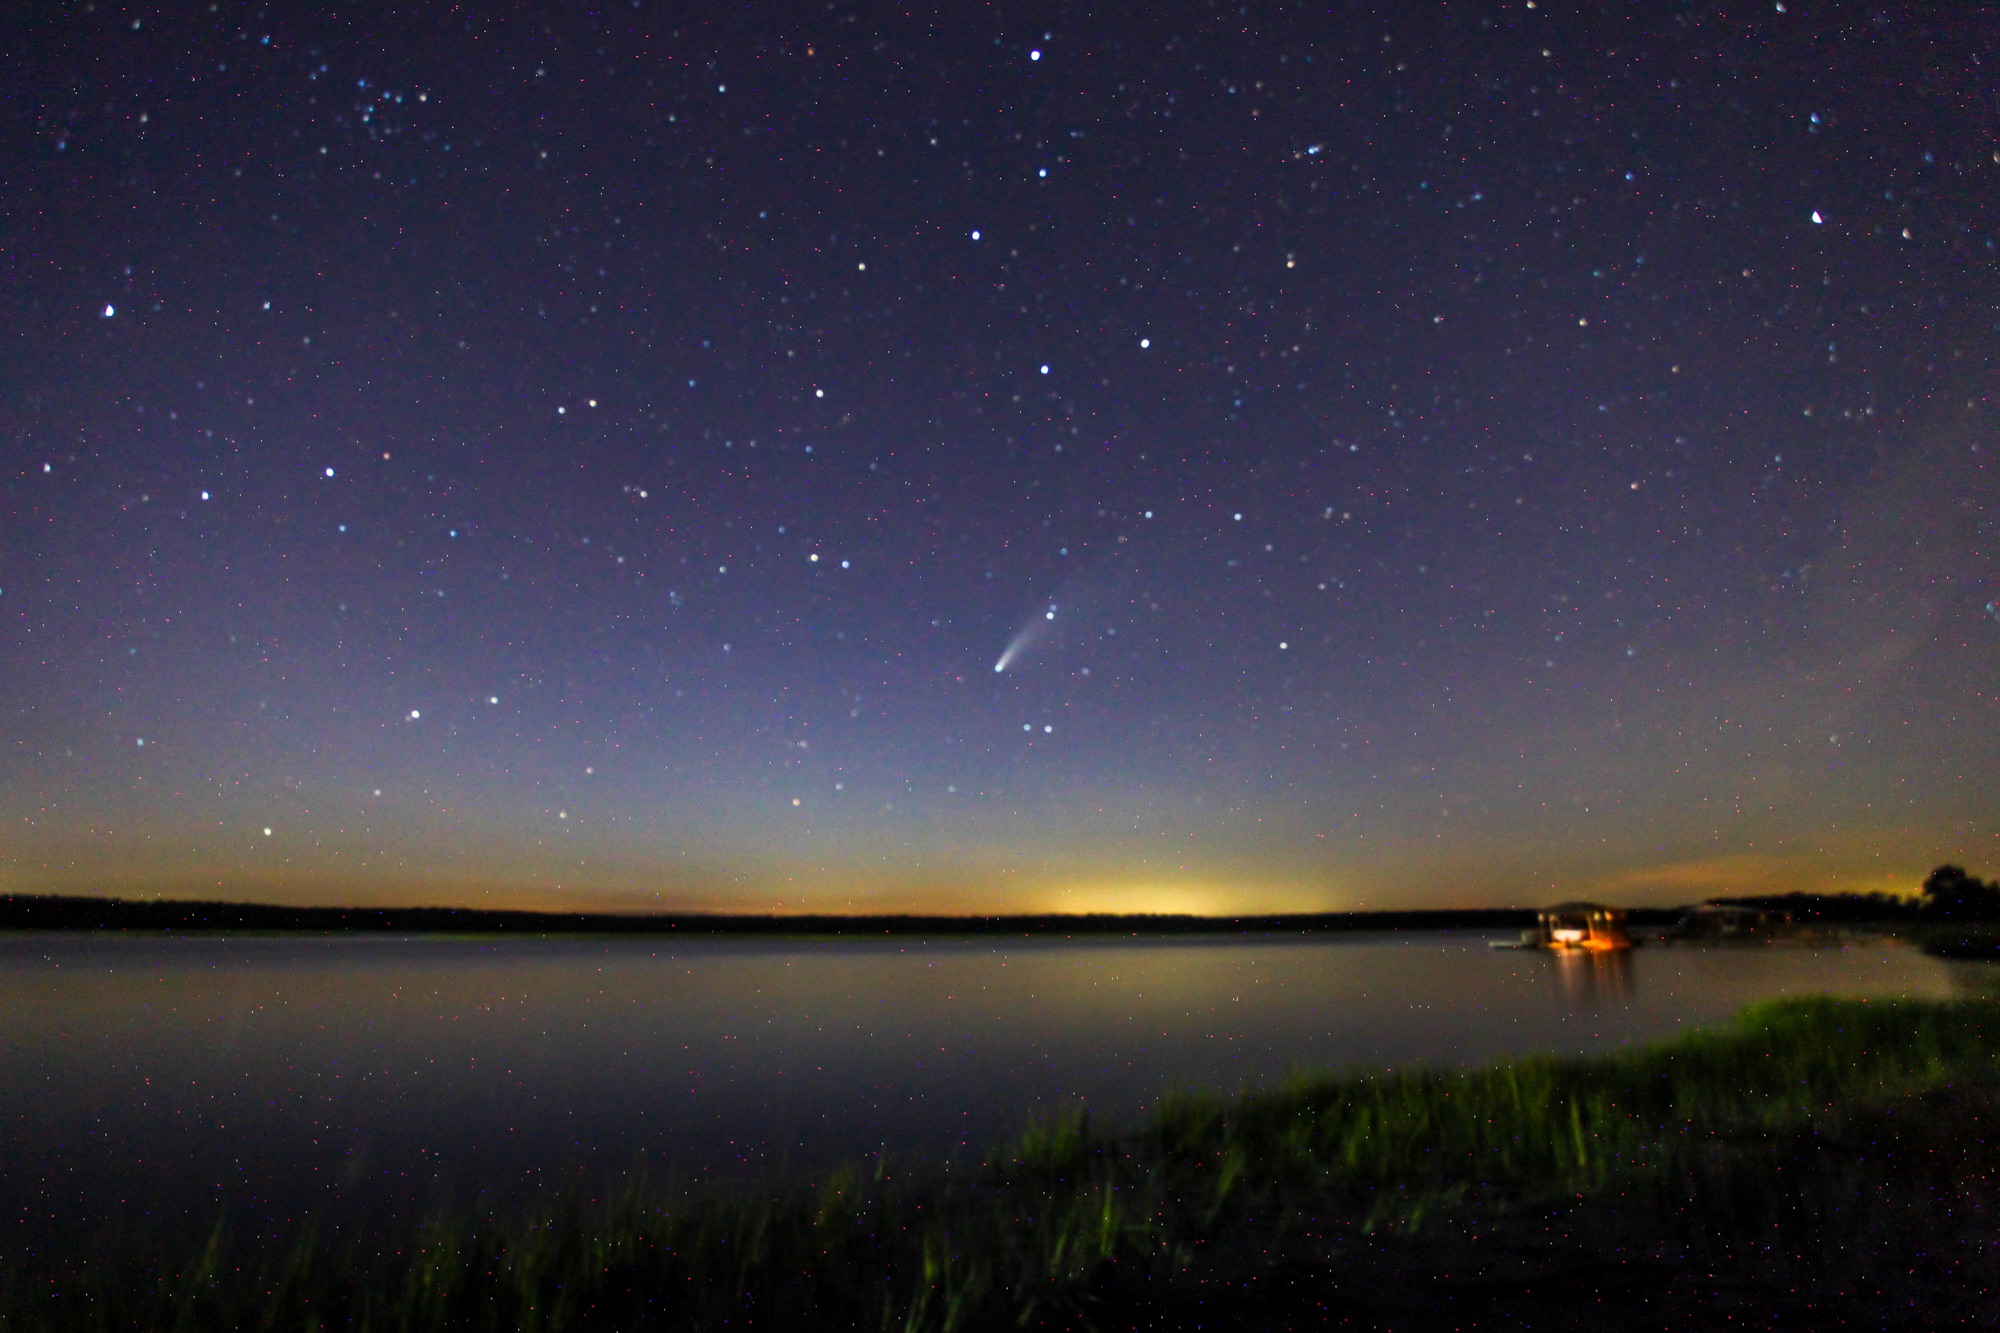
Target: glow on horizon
<point x="1191" y="898"/>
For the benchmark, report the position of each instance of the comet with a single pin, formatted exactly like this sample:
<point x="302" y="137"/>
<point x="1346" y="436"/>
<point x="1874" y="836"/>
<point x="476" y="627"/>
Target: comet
<point x="1025" y="640"/>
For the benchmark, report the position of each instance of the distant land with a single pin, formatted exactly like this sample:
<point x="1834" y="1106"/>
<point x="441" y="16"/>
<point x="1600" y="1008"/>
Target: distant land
<point x="49" y="912"/>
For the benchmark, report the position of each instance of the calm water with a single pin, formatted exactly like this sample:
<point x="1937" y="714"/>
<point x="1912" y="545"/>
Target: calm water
<point x="163" y="1078"/>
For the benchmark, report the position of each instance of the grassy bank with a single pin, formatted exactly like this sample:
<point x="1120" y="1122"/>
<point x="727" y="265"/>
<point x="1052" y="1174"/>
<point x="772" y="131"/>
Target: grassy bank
<point x="1074" y="1220"/>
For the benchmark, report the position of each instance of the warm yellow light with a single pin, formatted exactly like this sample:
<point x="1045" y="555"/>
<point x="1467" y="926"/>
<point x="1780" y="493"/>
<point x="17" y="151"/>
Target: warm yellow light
<point x="1158" y="899"/>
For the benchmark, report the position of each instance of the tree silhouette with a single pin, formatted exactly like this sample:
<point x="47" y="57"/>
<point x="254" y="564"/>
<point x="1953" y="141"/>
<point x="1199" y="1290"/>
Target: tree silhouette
<point x="1951" y="892"/>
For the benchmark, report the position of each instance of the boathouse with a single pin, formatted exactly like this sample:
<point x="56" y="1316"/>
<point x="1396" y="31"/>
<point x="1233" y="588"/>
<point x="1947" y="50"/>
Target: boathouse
<point x="1582" y="926"/>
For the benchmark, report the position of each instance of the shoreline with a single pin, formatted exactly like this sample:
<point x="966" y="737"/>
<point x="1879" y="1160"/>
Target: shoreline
<point x="34" y="912"/>
<point x="1332" y="1200"/>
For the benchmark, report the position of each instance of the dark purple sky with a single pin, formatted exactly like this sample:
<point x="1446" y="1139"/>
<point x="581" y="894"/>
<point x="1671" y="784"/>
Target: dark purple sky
<point x="598" y="455"/>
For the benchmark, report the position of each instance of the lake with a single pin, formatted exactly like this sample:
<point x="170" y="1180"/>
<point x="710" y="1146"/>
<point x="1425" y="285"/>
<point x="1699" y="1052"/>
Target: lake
<point x="156" y="1080"/>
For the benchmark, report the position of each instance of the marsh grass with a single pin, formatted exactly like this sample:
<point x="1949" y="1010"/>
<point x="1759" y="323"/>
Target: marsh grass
<point x="1068" y="1210"/>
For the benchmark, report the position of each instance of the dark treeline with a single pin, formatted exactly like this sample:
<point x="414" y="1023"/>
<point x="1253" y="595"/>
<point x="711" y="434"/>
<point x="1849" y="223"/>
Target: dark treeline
<point x="40" y="912"/>
<point x="1949" y="893"/>
<point x="1834" y="907"/>
<point x="1966" y="913"/>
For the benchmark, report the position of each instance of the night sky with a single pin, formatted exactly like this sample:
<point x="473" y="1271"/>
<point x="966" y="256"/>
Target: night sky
<point x="1148" y="458"/>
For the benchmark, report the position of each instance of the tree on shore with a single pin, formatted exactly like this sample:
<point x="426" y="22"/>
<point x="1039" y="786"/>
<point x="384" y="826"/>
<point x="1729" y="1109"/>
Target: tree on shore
<point x="1949" y="891"/>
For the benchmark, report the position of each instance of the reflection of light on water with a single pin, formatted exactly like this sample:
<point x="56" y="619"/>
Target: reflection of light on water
<point x="530" y="1058"/>
<point x="1589" y="978"/>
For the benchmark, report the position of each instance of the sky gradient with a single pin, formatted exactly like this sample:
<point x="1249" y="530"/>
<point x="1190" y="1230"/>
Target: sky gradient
<point x="565" y="456"/>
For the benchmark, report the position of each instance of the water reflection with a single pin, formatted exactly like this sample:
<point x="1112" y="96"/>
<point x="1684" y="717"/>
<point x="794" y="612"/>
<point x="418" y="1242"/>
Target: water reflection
<point x="1590" y="979"/>
<point x="279" y="1074"/>
<point x="1974" y="980"/>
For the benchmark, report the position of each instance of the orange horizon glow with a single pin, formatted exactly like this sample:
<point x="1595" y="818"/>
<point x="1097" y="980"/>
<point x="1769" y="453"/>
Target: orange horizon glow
<point x="978" y="891"/>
